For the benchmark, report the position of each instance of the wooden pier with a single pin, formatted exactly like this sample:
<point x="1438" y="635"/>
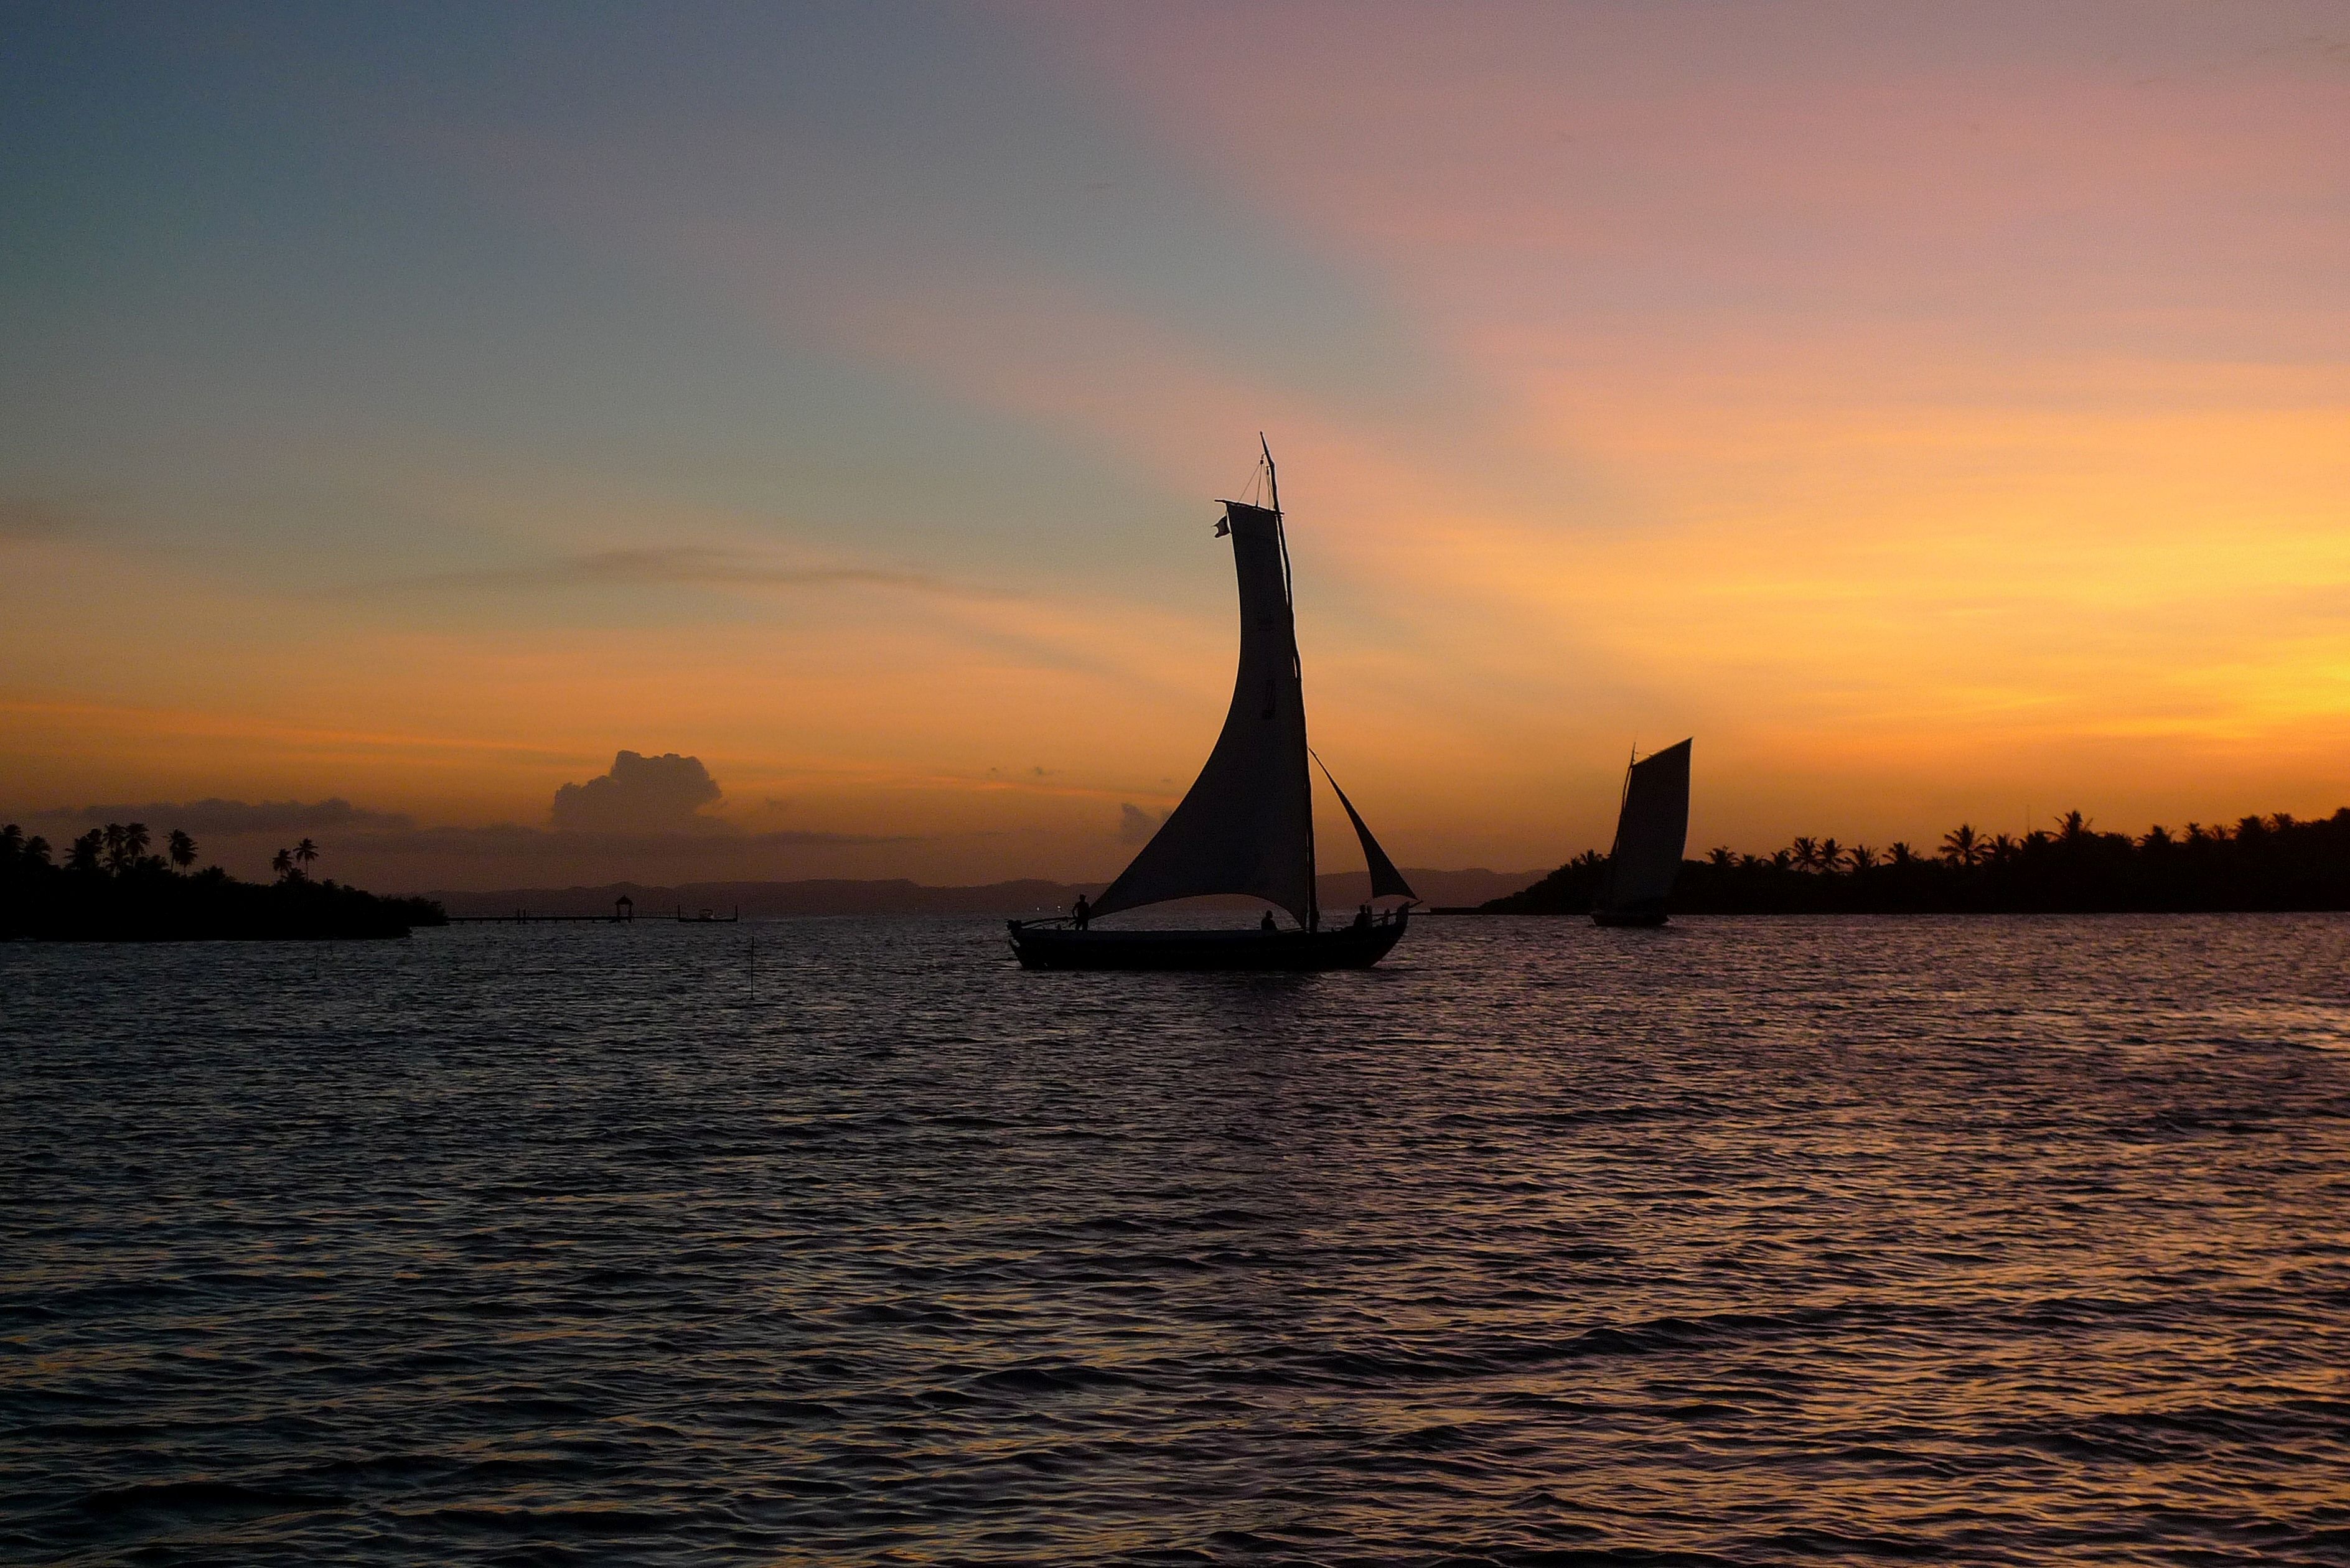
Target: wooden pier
<point x="624" y="909"/>
<point x="623" y="912"/>
<point x="525" y="918"/>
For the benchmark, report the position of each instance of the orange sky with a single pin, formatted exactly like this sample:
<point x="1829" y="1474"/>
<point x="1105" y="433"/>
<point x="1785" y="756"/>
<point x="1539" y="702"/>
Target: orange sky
<point x="1940" y="413"/>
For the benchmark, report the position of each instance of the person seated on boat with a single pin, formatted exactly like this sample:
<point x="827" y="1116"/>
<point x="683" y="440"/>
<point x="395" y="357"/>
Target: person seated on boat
<point x="1363" y="918"/>
<point x="1083" y="914"/>
<point x="1266" y="924"/>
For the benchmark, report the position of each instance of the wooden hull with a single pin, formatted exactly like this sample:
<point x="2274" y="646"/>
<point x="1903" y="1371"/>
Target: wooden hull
<point x="1342" y="947"/>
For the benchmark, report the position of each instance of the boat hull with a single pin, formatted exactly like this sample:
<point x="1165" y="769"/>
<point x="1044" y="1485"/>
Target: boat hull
<point x="1343" y="947"/>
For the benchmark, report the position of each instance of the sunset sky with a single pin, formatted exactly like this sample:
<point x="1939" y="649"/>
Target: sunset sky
<point x="1940" y="412"/>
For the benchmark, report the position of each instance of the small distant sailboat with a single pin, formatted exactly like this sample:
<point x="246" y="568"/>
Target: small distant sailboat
<point x="1651" y="831"/>
<point x="1247" y="824"/>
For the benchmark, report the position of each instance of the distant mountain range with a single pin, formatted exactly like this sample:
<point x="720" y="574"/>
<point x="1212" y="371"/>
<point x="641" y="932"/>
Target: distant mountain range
<point x="1339" y="890"/>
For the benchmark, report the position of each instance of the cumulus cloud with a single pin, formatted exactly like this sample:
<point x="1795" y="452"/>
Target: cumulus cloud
<point x="641" y="794"/>
<point x="231" y="817"/>
<point x="1135" y="826"/>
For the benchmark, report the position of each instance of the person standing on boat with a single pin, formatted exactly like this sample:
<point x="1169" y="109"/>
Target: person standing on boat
<point x="1266" y="924"/>
<point x="1083" y="914"/>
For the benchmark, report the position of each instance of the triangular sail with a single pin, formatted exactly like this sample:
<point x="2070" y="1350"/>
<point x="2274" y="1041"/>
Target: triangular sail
<point x="1247" y="824"/>
<point x="1650" y="834"/>
<point x="1386" y="880"/>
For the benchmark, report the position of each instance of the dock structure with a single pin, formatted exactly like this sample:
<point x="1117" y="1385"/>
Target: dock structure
<point x="623" y="911"/>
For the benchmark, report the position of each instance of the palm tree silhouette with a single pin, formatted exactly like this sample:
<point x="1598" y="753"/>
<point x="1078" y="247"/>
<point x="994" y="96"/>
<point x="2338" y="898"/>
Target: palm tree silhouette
<point x="1961" y="847"/>
<point x="1861" y="856"/>
<point x="1900" y="855"/>
<point x="283" y="864"/>
<point x="1806" y="855"/>
<point x="182" y="849"/>
<point x="1721" y="857"/>
<point x="2001" y="848"/>
<point x="306" y="852"/>
<point x="2072" y="829"/>
<point x="1829" y="855"/>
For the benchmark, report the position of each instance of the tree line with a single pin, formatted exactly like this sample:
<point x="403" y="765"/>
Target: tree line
<point x="111" y="887"/>
<point x="120" y="849"/>
<point x="2272" y="862"/>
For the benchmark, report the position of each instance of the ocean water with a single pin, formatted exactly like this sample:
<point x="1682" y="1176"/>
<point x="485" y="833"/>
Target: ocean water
<point x="1795" y="1241"/>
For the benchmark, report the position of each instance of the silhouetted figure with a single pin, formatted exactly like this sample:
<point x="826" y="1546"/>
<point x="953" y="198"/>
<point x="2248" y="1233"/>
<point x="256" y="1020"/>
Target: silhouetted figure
<point x="1363" y="918"/>
<point x="1083" y="915"/>
<point x="1266" y="924"/>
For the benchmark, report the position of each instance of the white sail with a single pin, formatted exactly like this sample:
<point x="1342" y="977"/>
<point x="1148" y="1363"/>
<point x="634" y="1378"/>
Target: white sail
<point x="1247" y="824"/>
<point x="1652" y="833"/>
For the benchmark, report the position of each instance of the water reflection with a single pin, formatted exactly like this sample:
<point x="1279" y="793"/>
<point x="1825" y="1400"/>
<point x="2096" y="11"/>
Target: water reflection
<point x="2003" y="1240"/>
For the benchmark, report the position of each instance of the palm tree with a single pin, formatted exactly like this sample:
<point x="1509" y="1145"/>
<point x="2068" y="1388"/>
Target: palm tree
<point x="1831" y="855"/>
<point x="36" y="851"/>
<point x="1721" y="857"/>
<point x="182" y="849"/>
<point x="283" y="864"/>
<point x="117" y="858"/>
<point x="1806" y="855"/>
<point x="1960" y="846"/>
<point x="306" y="852"/>
<point x="2072" y="829"/>
<point x="134" y="840"/>
<point x="2002" y="850"/>
<point x="12" y="842"/>
<point x="1861" y="857"/>
<point x="2156" y="837"/>
<point x="87" y="849"/>
<point x="1900" y="856"/>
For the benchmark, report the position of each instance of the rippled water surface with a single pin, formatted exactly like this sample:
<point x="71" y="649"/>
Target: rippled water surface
<point x="1989" y="1241"/>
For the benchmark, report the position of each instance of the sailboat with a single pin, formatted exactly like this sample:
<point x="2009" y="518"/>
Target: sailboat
<point x="1246" y="826"/>
<point x="1651" y="831"/>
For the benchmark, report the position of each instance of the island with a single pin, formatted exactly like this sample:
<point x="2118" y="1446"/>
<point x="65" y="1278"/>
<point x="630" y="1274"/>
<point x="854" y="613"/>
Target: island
<point x="2260" y="863"/>
<point x="110" y="888"/>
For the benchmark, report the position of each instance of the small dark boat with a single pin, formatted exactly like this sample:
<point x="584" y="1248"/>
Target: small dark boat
<point x="1246" y="825"/>
<point x="1651" y="831"/>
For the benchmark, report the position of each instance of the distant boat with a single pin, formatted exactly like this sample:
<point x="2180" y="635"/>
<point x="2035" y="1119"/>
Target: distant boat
<point x="1247" y="824"/>
<point x="1651" y="831"/>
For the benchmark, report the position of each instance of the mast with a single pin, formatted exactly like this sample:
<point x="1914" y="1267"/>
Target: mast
<point x="1297" y="670"/>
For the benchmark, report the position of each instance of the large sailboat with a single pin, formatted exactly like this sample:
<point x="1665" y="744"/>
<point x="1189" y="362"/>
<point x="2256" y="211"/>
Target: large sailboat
<point x="1246" y="826"/>
<point x="1651" y="831"/>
